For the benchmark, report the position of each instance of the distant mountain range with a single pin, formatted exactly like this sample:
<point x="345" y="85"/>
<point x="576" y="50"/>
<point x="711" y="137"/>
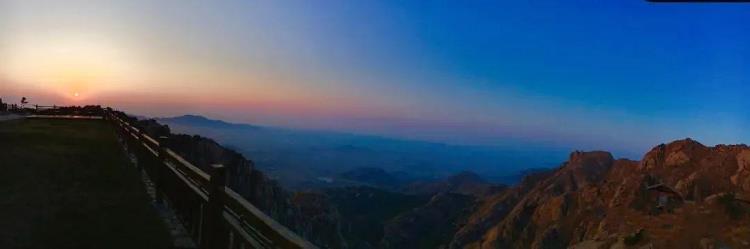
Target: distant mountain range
<point x="302" y="159"/>
<point x="466" y="183"/>
<point x="200" y="121"/>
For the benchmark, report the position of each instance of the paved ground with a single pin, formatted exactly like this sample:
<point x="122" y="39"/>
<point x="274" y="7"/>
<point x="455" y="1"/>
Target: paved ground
<point x="180" y="236"/>
<point x="68" y="184"/>
<point x="5" y="117"/>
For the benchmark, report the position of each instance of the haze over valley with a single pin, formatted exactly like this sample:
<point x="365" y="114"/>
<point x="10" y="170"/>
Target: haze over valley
<point x="315" y="159"/>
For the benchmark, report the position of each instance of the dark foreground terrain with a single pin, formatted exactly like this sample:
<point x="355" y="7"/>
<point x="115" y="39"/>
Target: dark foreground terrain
<point x="67" y="184"/>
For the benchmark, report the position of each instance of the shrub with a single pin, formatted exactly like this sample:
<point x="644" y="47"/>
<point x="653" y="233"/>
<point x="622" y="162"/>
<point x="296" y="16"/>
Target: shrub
<point x="634" y="238"/>
<point x="733" y="209"/>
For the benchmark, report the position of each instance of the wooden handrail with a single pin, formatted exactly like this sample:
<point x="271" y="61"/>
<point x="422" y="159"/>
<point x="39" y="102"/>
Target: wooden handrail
<point x="225" y="219"/>
<point x="253" y="218"/>
<point x="191" y="170"/>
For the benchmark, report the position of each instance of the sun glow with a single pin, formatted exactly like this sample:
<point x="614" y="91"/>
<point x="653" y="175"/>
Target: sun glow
<point x="68" y="66"/>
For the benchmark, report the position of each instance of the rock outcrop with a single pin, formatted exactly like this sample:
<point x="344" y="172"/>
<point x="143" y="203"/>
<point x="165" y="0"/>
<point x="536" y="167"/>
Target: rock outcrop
<point x="675" y="197"/>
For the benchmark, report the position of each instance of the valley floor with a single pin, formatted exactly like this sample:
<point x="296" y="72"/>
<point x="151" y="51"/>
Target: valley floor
<point x="68" y="184"/>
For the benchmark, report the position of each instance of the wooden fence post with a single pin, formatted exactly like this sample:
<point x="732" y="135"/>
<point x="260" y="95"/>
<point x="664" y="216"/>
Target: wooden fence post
<point x="214" y="233"/>
<point x="140" y="150"/>
<point x="121" y="130"/>
<point x="159" y="170"/>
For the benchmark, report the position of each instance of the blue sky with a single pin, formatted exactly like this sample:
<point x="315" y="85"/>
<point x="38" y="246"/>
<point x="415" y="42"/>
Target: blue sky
<point x="614" y="75"/>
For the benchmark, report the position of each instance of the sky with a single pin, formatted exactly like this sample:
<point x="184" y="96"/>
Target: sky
<point x="617" y="75"/>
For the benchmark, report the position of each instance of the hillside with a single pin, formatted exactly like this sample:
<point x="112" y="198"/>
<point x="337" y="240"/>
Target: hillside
<point x="429" y="225"/>
<point x="366" y="210"/>
<point x="680" y="195"/>
<point x="466" y="183"/>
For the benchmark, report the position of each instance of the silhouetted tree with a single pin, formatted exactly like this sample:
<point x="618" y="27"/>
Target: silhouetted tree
<point x="23" y="102"/>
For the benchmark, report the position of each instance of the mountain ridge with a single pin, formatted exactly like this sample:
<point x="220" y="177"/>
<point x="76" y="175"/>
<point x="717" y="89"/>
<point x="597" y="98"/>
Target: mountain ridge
<point x="595" y="201"/>
<point x="199" y="120"/>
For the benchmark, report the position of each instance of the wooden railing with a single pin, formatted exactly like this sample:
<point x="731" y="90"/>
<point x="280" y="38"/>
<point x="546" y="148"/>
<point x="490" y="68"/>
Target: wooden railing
<point x="45" y="107"/>
<point x="215" y="216"/>
<point x="71" y="111"/>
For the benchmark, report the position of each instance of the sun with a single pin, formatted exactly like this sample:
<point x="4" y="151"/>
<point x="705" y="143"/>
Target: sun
<point x="75" y="96"/>
<point x="69" y="65"/>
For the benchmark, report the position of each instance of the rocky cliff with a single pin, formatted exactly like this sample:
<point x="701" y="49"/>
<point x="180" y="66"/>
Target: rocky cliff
<point x="309" y="215"/>
<point x="680" y="195"/>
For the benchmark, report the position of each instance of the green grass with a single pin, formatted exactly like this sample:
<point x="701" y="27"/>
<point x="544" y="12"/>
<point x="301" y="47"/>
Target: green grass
<point x="67" y="184"/>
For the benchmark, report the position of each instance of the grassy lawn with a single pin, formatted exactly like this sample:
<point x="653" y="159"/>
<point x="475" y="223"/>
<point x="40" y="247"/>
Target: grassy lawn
<point x="67" y="184"/>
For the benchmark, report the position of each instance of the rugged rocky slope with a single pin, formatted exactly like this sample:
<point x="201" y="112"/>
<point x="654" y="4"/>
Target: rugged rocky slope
<point x="365" y="210"/>
<point x="427" y="226"/>
<point x="680" y="195"/>
<point x="424" y="214"/>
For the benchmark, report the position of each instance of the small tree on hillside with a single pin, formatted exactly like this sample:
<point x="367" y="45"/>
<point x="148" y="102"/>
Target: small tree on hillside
<point x="733" y="209"/>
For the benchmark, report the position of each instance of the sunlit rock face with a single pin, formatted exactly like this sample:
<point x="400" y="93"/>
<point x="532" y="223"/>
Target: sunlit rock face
<point x="741" y="178"/>
<point x="595" y="201"/>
